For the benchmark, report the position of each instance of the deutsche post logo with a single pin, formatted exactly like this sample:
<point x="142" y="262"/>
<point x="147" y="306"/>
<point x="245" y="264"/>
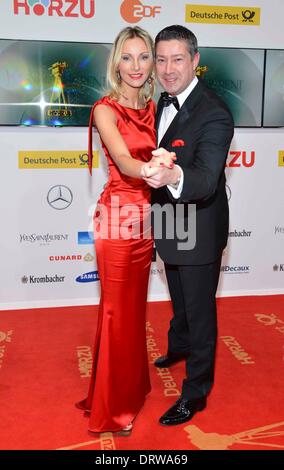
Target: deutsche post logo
<point x="6" y="336"/>
<point x="40" y="159"/>
<point x="270" y="319"/>
<point x="222" y="15"/>
<point x="281" y="158"/>
<point x="248" y="16"/>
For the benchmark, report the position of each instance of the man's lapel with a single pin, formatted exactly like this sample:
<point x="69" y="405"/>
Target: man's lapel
<point x="181" y="118"/>
<point x="159" y="113"/>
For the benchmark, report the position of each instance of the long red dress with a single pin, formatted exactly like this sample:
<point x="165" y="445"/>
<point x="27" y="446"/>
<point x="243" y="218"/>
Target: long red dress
<point x="120" y="375"/>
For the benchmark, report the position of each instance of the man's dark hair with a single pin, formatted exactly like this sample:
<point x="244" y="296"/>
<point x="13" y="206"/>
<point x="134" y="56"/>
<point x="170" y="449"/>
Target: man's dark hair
<point x="181" y="33"/>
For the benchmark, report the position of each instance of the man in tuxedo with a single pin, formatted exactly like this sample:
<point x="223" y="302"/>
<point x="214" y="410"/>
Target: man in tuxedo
<point x="193" y="122"/>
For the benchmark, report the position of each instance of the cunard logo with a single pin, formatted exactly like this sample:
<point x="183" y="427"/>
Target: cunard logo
<point x="88" y="257"/>
<point x="260" y="437"/>
<point x="60" y="8"/>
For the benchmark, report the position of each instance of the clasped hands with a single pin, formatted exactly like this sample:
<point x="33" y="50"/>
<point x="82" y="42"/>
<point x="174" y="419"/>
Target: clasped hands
<point x="160" y="170"/>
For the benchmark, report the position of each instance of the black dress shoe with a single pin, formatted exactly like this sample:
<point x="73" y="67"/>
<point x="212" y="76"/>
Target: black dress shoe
<point x="167" y="361"/>
<point x="81" y="405"/>
<point x="183" y="410"/>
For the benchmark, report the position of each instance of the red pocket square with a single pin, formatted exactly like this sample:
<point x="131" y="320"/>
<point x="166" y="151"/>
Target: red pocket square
<point x="178" y="143"/>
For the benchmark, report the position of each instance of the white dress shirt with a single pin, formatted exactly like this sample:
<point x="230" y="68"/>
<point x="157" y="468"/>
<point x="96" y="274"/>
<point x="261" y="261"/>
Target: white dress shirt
<point x="167" y="116"/>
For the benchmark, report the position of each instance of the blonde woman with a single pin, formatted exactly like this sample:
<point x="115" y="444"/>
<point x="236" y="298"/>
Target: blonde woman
<point x="125" y="120"/>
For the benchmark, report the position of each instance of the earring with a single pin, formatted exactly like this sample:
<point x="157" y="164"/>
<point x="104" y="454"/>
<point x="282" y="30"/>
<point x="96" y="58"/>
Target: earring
<point x="150" y="81"/>
<point x="118" y="76"/>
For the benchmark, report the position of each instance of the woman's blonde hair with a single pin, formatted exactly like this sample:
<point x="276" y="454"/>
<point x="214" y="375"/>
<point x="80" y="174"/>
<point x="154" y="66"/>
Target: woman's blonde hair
<point x="113" y="77"/>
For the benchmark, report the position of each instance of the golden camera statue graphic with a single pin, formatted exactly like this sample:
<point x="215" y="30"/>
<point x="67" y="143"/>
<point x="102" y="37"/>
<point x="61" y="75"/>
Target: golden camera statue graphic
<point x="58" y="97"/>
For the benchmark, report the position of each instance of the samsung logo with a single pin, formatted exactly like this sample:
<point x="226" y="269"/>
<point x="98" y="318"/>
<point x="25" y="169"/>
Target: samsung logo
<point x="86" y="238"/>
<point x="92" y="276"/>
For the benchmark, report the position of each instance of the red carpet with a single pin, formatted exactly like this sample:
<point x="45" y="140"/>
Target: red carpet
<point x="45" y="359"/>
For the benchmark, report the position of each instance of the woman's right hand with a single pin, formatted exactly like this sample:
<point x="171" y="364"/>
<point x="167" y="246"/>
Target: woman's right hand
<point x="161" y="157"/>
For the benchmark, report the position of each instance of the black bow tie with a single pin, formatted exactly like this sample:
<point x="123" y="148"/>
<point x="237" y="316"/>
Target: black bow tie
<point x="167" y="100"/>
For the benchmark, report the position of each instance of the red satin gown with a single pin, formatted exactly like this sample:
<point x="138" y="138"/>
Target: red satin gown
<point x="120" y="375"/>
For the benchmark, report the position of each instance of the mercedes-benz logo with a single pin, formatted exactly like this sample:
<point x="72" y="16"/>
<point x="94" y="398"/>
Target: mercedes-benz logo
<point x="59" y="197"/>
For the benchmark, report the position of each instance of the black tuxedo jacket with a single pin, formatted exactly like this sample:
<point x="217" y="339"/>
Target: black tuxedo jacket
<point x="200" y="135"/>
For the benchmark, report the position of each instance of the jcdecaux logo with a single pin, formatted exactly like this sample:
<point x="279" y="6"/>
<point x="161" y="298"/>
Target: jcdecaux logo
<point x="61" y="8"/>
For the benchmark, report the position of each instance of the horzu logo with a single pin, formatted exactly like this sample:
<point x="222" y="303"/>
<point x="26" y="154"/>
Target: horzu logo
<point x="5" y="337"/>
<point x="237" y="350"/>
<point x="63" y="8"/>
<point x="85" y="359"/>
<point x="238" y="159"/>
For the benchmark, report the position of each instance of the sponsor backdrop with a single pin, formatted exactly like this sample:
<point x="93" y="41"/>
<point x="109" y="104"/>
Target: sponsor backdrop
<point x="47" y="197"/>
<point x="231" y="23"/>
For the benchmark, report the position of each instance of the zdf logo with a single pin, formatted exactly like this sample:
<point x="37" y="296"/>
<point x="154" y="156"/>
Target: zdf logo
<point x="63" y="8"/>
<point x="133" y="11"/>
